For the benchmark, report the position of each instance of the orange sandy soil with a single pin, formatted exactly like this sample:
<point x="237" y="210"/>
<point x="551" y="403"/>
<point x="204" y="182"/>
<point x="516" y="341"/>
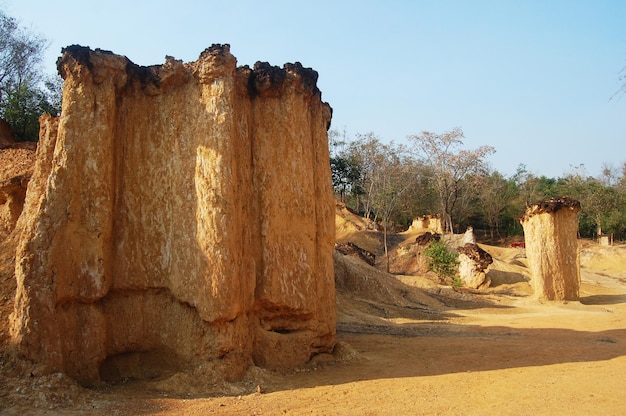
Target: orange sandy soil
<point x="405" y="345"/>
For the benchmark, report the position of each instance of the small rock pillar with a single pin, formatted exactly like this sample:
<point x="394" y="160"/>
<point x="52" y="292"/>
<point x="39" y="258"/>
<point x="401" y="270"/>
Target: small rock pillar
<point x="473" y="265"/>
<point x="550" y="232"/>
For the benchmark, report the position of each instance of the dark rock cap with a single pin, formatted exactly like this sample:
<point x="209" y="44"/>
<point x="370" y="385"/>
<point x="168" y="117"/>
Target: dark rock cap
<point x="549" y="206"/>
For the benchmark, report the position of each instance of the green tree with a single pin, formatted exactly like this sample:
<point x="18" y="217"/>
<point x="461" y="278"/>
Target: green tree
<point x="451" y="166"/>
<point x="494" y="196"/>
<point x="25" y="93"/>
<point x="531" y="188"/>
<point x="443" y="262"/>
<point x="365" y="152"/>
<point x="346" y="175"/>
<point x="390" y="182"/>
<point x="598" y="201"/>
<point x="421" y="197"/>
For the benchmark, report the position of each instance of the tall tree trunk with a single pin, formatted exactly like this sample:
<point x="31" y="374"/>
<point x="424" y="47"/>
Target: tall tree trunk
<point x="447" y="223"/>
<point x="385" y="243"/>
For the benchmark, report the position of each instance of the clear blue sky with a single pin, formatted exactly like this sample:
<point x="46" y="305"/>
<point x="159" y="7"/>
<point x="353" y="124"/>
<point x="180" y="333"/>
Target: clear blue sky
<point x="532" y="78"/>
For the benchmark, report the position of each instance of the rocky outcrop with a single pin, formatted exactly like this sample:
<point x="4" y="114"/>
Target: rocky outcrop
<point x="428" y="223"/>
<point x="409" y="258"/>
<point x="473" y="261"/>
<point x="181" y="211"/>
<point x="550" y="233"/>
<point x="351" y="249"/>
<point x="473" y="265"/>
<point x="422" y="242"/>
<point x="426" y="238"/>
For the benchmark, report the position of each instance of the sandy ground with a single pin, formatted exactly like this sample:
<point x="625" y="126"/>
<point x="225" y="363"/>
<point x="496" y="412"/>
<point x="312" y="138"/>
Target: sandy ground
<point x="405" y="345"/>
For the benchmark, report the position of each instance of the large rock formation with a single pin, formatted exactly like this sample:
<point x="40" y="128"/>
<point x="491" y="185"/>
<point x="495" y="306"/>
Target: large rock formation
<point x="182" y="213"/>
<point x="550" y="232"/>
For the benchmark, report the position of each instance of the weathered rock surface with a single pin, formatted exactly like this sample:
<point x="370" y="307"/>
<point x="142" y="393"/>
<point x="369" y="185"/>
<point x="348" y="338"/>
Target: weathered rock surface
<point x="351" y="249"/>
<point x="425" y="239"/>
<point x="422" y="242"/>
<point x="16" y="168"/>
<point x="429" y="223"/>
<point x="12" y="196"/>
<point x="550" y="233"/>
<point x="158" y="229"/>
<point x="473" y="265"/>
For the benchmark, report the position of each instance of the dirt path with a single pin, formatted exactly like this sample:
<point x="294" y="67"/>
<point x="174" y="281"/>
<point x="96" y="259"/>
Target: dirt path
<point x="529" y="360"/>
<point x="525" y="359"/>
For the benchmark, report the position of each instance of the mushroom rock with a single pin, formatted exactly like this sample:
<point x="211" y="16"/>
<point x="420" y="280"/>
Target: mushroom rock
<point x="550" y="233"/>
<point x="473" y="265"/>
<point x="158" y="228"/>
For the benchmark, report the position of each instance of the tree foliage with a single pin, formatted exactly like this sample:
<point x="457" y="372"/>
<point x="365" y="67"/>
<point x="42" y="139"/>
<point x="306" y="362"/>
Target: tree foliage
<point x="25" y="92"/>
<point x="346" y="175"/>
<point x="393" y="184"/>
<point x="452" y="167"/>
<point x="443" y="262"/>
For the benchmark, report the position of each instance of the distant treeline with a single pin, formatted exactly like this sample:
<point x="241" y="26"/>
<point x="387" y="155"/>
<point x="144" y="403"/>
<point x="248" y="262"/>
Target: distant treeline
<point x="434" y="174"/>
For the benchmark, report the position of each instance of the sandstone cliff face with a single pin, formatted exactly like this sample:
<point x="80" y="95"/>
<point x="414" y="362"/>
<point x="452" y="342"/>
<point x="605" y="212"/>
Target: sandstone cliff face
<point x="183" y="211"/>
<point x="550" y="233"/>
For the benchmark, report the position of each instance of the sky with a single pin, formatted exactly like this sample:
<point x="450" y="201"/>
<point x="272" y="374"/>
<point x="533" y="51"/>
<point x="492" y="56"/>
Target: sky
<point x="538" y="80"/>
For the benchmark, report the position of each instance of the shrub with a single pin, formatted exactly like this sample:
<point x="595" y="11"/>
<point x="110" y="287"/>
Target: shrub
<point x="443" y="262"/>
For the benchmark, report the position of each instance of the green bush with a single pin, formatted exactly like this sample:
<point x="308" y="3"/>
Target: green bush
<point x="443" y="262"/>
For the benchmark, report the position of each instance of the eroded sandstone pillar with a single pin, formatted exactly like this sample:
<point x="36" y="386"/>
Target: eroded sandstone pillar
<point x="182" y="213"/>
<point x="473" y="265"/>
<point x="550" y="232"/>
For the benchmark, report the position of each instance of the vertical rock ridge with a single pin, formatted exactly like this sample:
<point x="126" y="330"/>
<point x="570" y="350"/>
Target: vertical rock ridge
<point x="176" y="185"/>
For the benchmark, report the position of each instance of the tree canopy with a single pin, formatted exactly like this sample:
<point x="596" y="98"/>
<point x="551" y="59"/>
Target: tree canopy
<point x="25" y="91"/>
<point x="435" y="174"/>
